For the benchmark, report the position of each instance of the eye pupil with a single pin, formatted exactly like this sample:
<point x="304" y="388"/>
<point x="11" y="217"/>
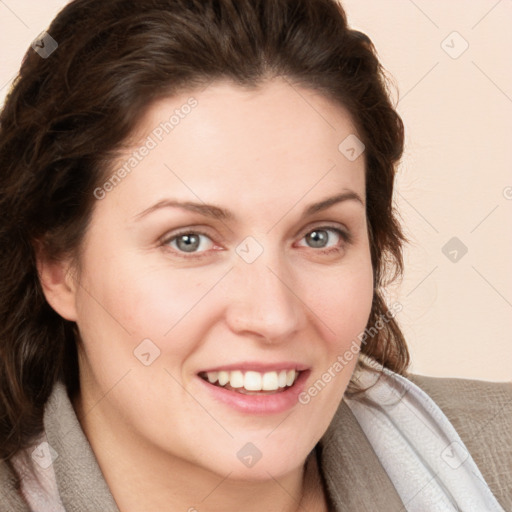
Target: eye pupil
<point x="191" y="242"/>
<point x="318" y="237"/>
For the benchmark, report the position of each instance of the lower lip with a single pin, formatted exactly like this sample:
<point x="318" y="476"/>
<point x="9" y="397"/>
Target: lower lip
<point x="259" y="404"/>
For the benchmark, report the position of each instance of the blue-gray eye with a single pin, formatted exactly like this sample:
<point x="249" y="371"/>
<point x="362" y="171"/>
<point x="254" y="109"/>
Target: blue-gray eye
<point x="187" y="242"/>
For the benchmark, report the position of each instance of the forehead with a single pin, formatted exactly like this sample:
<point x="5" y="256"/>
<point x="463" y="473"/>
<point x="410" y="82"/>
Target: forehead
<point x="274" y="144"/>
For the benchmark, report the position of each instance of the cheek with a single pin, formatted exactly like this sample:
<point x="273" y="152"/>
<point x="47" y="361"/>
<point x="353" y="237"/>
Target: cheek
<point x="344" y="309"/>
<point x="128" y="291"/>
<point x="125" y="301"/>
<point x="343" y="302"/>
<point x="161" y="301"/>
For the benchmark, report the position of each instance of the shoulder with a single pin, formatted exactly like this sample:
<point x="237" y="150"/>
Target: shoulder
<point x="471" y="405"/>
<point x="481" y="412"/>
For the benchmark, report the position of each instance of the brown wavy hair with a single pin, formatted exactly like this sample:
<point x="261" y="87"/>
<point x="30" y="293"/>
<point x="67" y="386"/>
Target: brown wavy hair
<point x="67" y="116"/>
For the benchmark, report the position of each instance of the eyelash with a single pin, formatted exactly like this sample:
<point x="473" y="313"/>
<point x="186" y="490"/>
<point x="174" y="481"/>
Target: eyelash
<point x="344" y="235"/>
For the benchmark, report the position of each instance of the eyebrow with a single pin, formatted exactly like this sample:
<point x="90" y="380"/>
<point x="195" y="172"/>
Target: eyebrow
<point x="213" y="211"/>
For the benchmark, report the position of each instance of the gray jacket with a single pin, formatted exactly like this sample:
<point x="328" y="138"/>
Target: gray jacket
<point x="481" y="412"/>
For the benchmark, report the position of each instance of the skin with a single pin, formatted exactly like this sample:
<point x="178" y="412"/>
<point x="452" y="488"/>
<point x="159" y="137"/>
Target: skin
<point x="265" y="154"/>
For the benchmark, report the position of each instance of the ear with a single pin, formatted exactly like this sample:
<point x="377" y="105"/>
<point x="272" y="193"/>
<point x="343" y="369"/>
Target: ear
<point x="58" y="283"/>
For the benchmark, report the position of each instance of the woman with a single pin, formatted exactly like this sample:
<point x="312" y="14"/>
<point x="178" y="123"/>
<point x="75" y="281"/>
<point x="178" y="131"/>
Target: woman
<point x="198" y="227"/>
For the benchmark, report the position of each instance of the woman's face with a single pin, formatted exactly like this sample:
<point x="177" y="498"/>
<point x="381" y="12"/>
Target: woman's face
<point x="249" y="282"/>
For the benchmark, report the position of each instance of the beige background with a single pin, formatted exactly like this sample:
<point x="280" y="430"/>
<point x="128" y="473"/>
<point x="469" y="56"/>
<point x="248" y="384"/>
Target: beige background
<point x="455" y="179"/>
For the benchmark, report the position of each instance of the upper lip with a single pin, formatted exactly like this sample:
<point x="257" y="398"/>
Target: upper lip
<point x="257" y="366"/>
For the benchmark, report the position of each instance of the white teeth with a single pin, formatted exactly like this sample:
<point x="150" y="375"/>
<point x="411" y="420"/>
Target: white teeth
<point x="236" y="379"/>
<point x="270" y="382"/>
<point x="254" y="381"/>
<point x="223" y="378"/>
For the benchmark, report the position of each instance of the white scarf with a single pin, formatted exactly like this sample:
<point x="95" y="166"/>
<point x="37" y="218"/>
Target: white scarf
<point x="418" y="447"/>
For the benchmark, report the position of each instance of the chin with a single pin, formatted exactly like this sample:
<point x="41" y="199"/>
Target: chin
<point x="260" y="459"/>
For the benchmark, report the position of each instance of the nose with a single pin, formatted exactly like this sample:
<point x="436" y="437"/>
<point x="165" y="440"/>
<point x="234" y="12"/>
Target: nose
<point x="264" y="300"/>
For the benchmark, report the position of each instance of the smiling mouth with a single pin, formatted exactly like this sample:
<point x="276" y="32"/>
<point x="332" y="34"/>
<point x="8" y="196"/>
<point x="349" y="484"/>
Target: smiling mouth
<point x="252" y="382"/>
